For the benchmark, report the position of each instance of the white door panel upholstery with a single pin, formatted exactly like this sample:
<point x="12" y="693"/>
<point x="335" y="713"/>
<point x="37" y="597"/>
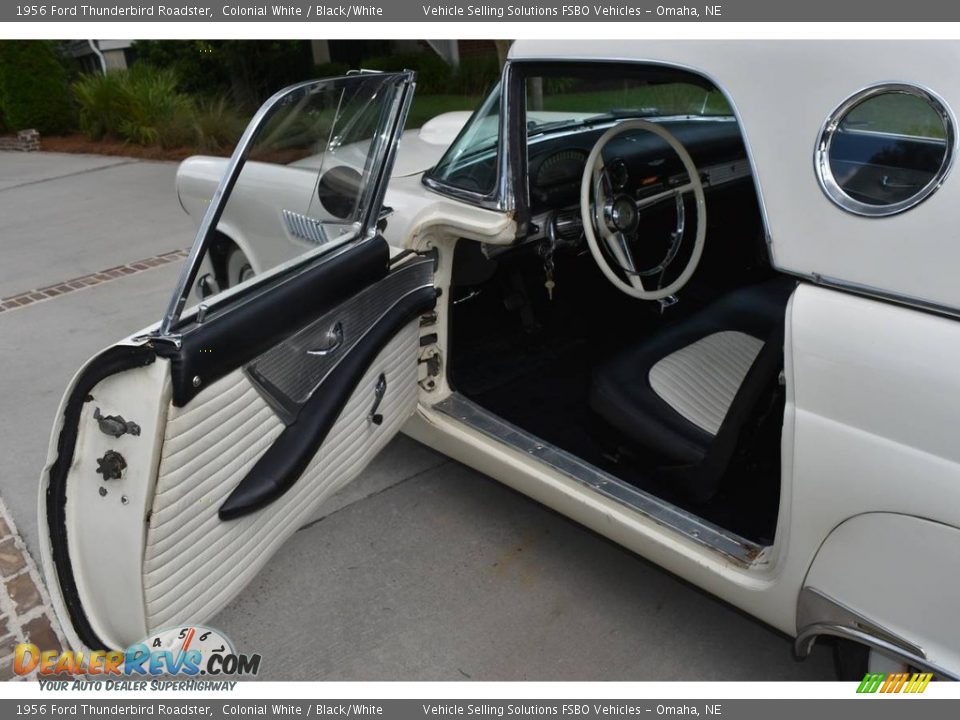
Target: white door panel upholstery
<point x="190" y="567"/>
<point x="700" y="380"/>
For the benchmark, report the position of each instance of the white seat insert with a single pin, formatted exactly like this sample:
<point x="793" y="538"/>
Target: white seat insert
<point x="700" y="380"/>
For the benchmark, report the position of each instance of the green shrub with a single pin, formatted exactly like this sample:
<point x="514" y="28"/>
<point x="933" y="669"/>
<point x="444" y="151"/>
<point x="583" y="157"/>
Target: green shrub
<point x="140" y="105"/>
<point x="216" y="124"/>
<point x="143" y="106"/>
<point x="249" y="70"/>
<point x="477" y="74"/>
<point x="156" y="113"/>
<point x="434" y="76"/>
<point x="33" y="87"/>
<point x="330" y="69"/>
<point x="102" y="102"/>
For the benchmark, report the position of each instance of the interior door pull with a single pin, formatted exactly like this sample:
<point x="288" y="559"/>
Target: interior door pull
<point x="334" y="340"/>
<point x="378" y="393"/>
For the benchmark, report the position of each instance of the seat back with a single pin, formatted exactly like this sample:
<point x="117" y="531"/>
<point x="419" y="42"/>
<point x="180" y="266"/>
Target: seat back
<point x="701" y="481"/>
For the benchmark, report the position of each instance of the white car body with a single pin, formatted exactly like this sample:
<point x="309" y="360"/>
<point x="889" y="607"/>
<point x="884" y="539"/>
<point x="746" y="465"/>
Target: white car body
<point x="868" y="528"/>
<point x="418" y="151"/>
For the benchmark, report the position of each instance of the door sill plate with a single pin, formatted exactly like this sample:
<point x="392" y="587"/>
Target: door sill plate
<point x="736" y="548"/>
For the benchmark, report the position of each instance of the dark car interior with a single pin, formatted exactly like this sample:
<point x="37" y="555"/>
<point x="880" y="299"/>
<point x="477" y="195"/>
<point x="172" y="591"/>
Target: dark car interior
<point x="539" y="337"/>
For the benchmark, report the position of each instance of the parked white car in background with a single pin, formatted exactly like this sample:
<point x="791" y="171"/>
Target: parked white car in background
<point x="240" y="251"/>
<point x="698" y="296"/>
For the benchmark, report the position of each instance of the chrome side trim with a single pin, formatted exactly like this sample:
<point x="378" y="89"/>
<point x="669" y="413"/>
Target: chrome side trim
<point x="874" y="293"/>
<point x="821" y="153"/>
<point x="808" y="636"/>
<point x="732" y="546"/>
<point x="819" y="614"/>
<point x="305" y="227"/>
<point x="817" y="608"/>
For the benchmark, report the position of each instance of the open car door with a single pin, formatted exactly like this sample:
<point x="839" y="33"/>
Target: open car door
<point x="184" y="456"/>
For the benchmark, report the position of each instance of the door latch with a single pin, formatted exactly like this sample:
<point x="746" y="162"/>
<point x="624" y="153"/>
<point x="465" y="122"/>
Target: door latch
<point x="114" y="425"/>
<point x="111" y="465"/>
<point x="379" y="391"/>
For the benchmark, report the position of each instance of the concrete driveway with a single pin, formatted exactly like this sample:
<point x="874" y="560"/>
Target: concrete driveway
<point x="420" y="570"/>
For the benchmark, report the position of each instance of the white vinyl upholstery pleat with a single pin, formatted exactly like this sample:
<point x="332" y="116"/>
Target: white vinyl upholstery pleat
<point x="194" y="562"/>
<point x="700" y="380"/>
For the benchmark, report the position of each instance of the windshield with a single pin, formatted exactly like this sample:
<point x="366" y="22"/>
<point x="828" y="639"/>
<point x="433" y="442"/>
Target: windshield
<point x="562" y="98"/>
<point x="558" y="102"/>
<point x="476" y="142"/>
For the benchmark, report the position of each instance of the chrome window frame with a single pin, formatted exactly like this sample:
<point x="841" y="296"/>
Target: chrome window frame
<point x="512" y="143"/>
<point x="821" y="158"/>
<point x="501" y="197"/>
<point x="385" y="151"/>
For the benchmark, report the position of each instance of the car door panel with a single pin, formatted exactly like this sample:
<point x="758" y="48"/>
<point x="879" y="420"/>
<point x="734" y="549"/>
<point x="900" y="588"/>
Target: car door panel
<point x="223" y="476"/>
<point x="367" y="323"/>
<point x="242" y="332"/>
<point x="188" y="564"/>
<point x="184" y="456"/>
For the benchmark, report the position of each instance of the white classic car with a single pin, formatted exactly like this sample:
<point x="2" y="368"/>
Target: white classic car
<point x="245" y="245"/>
<point x="698" y="296"/>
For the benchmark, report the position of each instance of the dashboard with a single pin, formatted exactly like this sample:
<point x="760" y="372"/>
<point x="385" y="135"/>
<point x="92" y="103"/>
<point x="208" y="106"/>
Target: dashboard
<point x="638" y="163"/>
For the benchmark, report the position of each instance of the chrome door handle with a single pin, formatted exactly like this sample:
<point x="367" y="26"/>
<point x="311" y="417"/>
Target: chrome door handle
<point x="378" y="392"/>
<point x="334" y="340"/>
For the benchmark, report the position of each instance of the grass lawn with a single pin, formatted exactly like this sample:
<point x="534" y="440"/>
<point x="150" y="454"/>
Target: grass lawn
<point x="897" y="113"/>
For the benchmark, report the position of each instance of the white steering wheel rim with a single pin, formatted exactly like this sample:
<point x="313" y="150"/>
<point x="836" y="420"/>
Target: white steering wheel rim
<point x="594" y="161"/>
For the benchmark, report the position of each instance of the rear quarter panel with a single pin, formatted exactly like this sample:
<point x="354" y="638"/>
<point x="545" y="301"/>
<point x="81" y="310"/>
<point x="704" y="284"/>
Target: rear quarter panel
<point x="872" y="418"/>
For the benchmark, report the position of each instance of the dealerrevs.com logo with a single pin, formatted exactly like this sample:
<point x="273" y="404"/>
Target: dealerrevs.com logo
<point x="190" y="651"/>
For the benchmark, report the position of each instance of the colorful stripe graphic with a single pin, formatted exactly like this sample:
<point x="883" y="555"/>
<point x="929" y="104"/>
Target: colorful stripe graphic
<point x="895" y="682"/>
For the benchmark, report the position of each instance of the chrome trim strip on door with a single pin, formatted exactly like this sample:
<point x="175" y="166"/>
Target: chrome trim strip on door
<point x="736" y="548"/>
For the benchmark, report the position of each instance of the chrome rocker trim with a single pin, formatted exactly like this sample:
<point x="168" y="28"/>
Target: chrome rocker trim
<point x="736" y="548"/>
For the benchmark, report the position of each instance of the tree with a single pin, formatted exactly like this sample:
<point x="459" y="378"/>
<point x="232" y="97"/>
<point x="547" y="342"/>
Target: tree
<point x="33" y="87"/>
<point x="249" y="70"/>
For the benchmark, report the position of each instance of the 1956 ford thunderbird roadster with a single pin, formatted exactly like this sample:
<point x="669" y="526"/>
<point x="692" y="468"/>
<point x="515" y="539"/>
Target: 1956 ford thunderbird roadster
<point x="701" y="297"/>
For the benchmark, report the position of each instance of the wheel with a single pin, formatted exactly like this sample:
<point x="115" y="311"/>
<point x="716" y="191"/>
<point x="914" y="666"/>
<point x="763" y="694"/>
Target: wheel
<point x="239" y="268"/>
<point x="851" y="661"/>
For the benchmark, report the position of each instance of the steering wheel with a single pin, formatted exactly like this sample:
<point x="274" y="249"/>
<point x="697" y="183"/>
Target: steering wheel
<point x="616" y="217"/>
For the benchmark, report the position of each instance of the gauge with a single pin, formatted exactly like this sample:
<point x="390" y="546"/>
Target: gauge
<point x="560" y="168"/>
<point x="619" y="175"/>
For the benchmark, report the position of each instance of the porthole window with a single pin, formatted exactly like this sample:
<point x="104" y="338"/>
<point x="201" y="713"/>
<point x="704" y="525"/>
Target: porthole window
<point x="885" y="149"/>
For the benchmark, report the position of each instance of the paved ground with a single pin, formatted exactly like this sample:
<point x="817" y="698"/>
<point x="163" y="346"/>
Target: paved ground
<point x="422" y="569"/>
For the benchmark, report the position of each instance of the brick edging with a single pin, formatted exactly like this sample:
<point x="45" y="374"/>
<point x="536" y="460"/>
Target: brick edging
<point x="29" y="297"/>
<point x="25" y="611"/>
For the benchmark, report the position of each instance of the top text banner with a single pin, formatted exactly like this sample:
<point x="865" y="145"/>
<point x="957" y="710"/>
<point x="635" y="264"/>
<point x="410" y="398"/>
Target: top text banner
<point x="458" y="11"/>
